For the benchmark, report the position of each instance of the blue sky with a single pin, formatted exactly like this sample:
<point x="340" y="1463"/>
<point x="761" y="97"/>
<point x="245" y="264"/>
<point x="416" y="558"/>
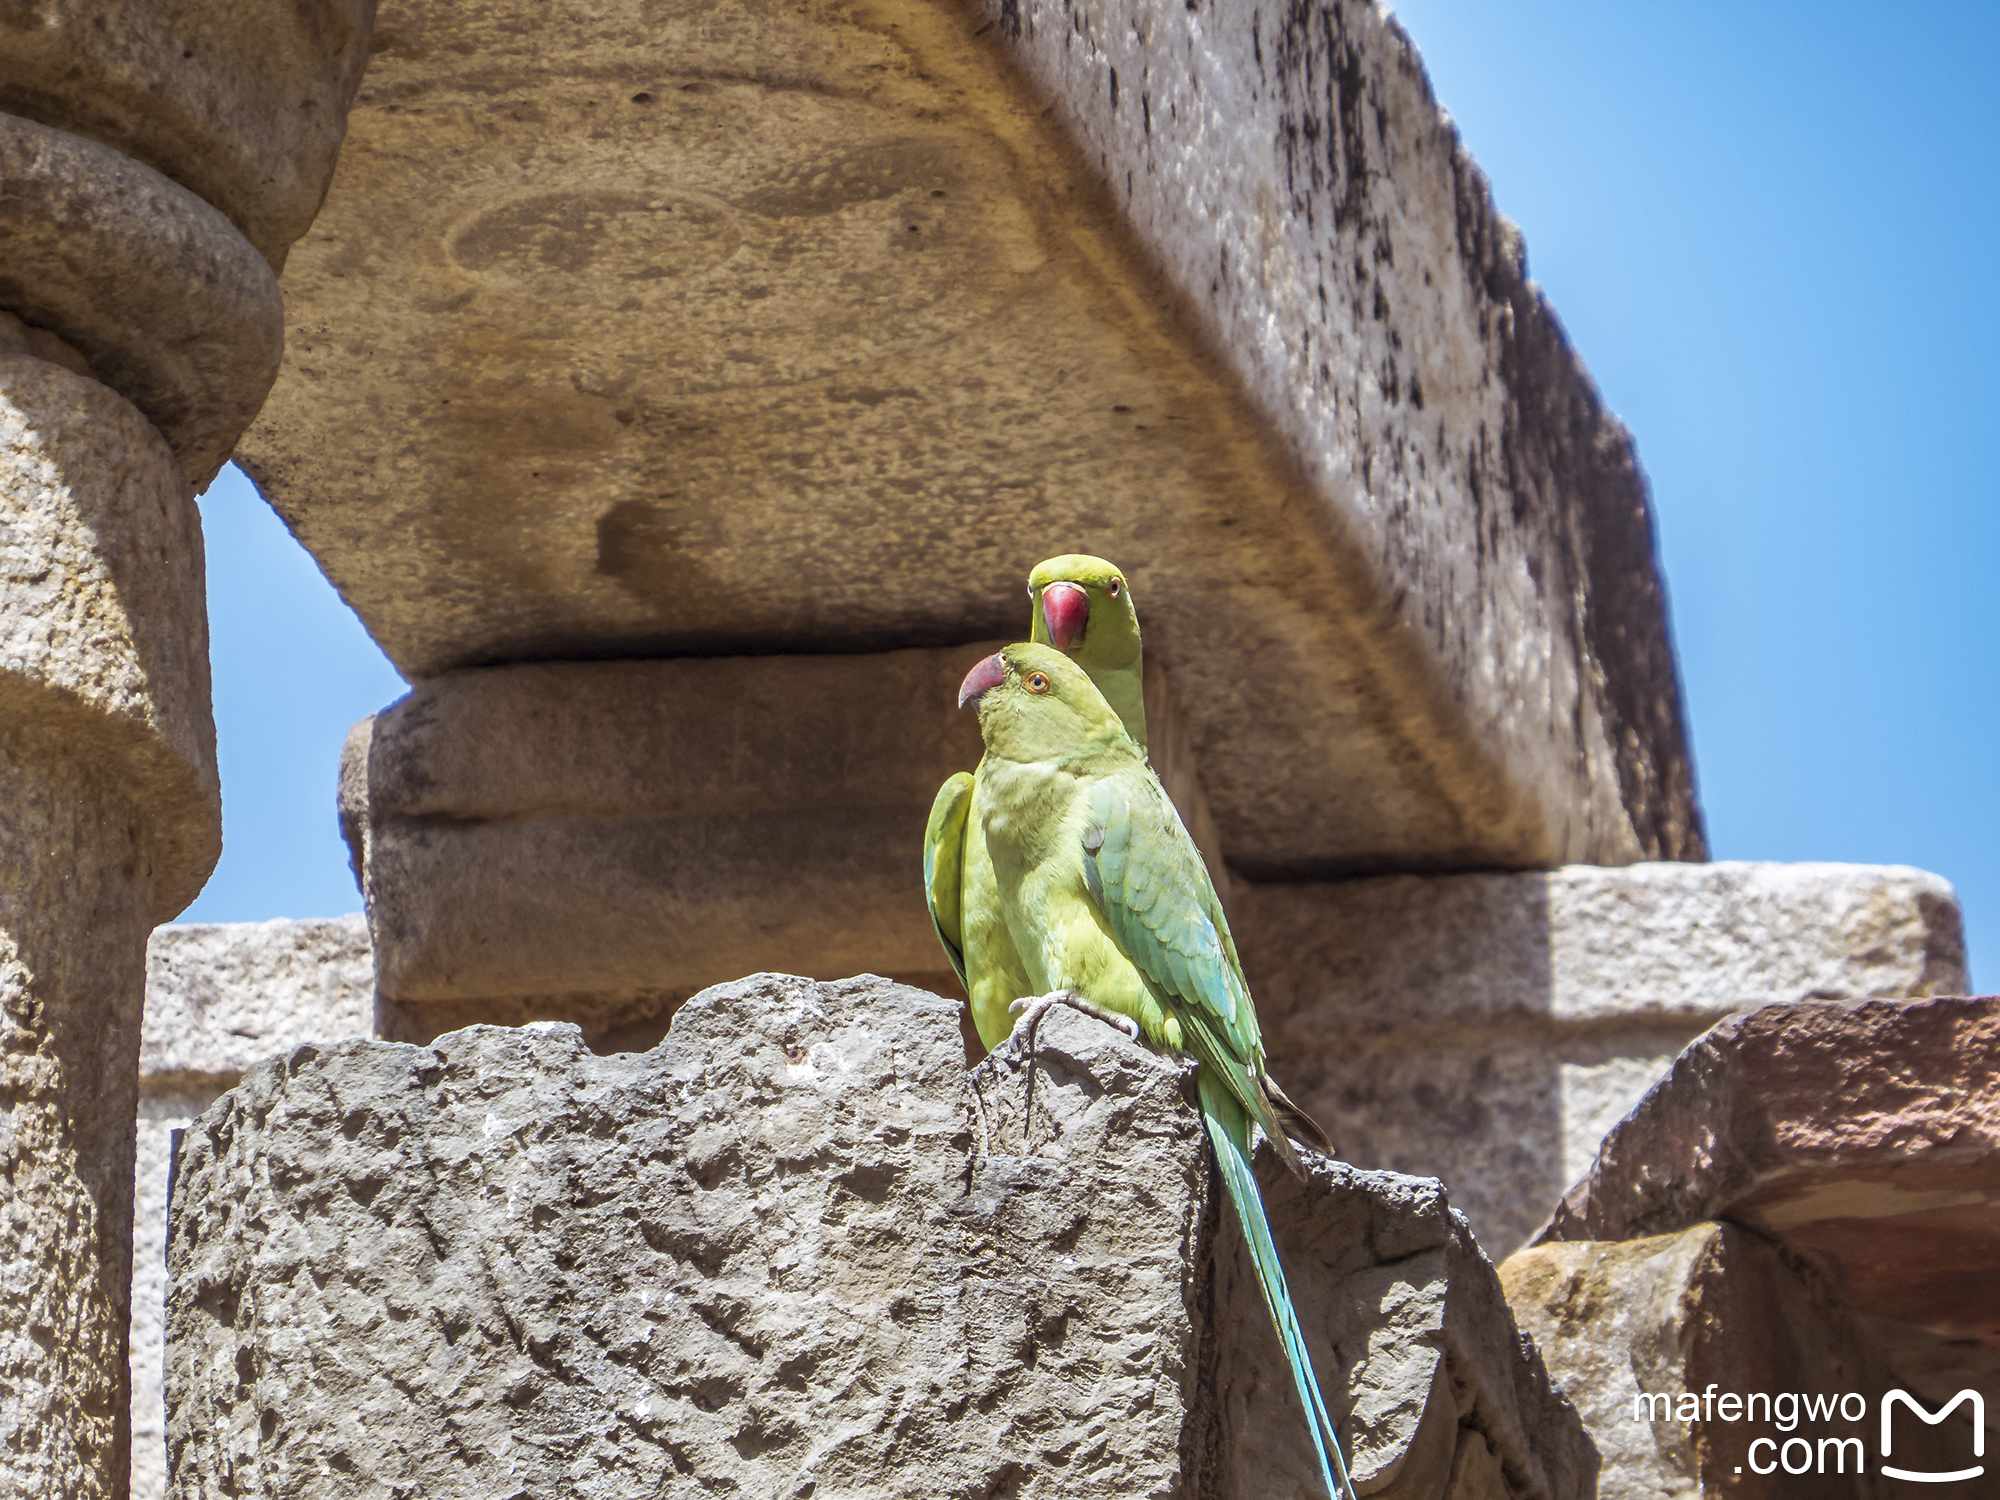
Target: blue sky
<point x="1772" y="234"/>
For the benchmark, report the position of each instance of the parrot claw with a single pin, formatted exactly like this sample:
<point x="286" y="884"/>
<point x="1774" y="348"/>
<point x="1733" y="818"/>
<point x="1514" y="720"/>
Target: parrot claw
<point x="1031" y="1008"/>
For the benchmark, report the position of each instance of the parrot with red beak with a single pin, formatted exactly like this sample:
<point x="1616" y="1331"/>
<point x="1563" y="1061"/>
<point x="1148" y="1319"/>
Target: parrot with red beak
<point x="1110" y="909"/>
<point x="1082" y="606"/>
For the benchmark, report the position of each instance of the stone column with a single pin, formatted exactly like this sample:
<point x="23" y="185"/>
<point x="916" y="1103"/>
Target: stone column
<point x="110" y="820"/>
<point x="155" y="164"/>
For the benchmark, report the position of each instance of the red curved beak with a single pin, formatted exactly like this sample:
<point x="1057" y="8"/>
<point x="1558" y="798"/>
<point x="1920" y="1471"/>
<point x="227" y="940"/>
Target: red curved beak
<point x="1067" y="609"/>
<point x="989" y="674"/>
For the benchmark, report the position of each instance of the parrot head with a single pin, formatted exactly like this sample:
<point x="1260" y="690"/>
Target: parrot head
<point x="1083" y="607"/>
<point x="1036" y="704"/>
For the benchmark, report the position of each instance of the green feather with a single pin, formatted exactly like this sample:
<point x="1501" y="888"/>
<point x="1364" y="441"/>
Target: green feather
<point x="1106" y="896"/>
<point x="959" y="883"/>
<point x="944" y="867"/>
<point x="1229" y="1132"/>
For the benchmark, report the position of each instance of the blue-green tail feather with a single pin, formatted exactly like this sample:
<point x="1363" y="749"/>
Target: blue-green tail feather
<point x="1229" y="1132"/>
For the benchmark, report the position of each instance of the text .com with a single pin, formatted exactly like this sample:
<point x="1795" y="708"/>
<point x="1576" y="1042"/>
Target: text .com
<point x="1826" y="1455"/>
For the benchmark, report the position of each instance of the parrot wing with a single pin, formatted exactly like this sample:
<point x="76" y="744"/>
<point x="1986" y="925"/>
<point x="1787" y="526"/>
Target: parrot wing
<point x="944" y="867"/>
<point x="1144" y="871"/>
<point x="1150" y="880"/>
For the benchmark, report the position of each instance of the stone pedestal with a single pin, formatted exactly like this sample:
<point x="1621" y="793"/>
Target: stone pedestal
<point x="795" y="1249"/>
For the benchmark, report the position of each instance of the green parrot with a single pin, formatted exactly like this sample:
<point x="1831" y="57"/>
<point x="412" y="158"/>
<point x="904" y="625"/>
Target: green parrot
<point x="1083" y="606"/>
<point x="1110" y="908"/>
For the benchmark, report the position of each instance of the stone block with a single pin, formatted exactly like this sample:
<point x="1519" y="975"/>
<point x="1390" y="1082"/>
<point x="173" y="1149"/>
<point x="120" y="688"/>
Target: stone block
<point x="812" y="330"/>
<point x="797" y="1247"/>
<point x="172" y="307"/>
<point x="604" y="839"/>
<point x="220" y="997"/>
<point x="1661" y="1342"/>
<point x="223" y="996"/>
<point x="242" y="104"/>
<point x="103" y="624"/>
<point x="1865" y="1135"/>
<point x="1489" y="1029"/>
<point x="594" y="842"/>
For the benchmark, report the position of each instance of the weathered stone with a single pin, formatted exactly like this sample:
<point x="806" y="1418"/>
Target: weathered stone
<point x="594" y="842"/>
<point x="220" y="997"/>
<point x="162" y="1113"/>
<point x="1489" y="1029"/>
<point x="111" y="821"/>
<point x="103" y="629"/>
<point x="172" y="307"/>
<point x="797" y="1246"/>
<point x="604" y="839"/>
<point x="75" y="903"/>
<point x="18" y="338"/>
<point x="1865" y="1134"/>
<point x="242" y="104"/>
<point x="1660" y="1342"/>
<point x="788" y="329"/>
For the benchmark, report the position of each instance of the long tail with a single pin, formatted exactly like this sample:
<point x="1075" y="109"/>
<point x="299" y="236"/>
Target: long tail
<point x="1229" y="1132"/>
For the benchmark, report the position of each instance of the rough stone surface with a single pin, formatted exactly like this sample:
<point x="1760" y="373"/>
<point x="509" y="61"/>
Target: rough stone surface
<point x="18" y="338"/>
<point x="220" y="997"/>
<point x="75" y="904"/>
<point x="602" y="836"/>
<point x="223" y="996"/>
<point x="1713" y="1312"/>
<point x="162" y="1112"/>
<point x="172" y="307"/>
<point x="1864" y="1134"/>
<point x="241" y="103"/>
<point x="791" y="329"/>
<point x="1489" y="1029"/>
<point x="1313" y="208"/>
<point x="797" y="1246"/>
<point x="103" y="625"/>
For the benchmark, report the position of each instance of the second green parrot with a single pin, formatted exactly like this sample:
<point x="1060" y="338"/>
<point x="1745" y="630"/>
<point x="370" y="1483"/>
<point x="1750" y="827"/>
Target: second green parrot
<point x="1082" y="606"/>
<point x="1107" y="901"/>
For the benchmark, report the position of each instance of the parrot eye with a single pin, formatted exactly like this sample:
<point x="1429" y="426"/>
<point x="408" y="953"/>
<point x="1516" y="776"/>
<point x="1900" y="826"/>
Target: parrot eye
<point x="1037" y="683"/>
<point x="1116" y="585"/>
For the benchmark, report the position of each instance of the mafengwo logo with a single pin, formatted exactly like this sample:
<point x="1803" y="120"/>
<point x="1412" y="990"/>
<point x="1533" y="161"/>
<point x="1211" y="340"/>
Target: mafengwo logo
<point x="1827" y="1455"/>
<point x="1978" y="1435"/>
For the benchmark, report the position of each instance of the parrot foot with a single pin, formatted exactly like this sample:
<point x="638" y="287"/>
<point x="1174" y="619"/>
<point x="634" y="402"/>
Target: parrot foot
<point x="1032" y="1008"/>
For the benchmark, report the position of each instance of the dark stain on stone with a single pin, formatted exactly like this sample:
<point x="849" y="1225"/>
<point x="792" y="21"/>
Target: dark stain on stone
<point x="816" y="185"/>
<point x="656" y="555"/>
